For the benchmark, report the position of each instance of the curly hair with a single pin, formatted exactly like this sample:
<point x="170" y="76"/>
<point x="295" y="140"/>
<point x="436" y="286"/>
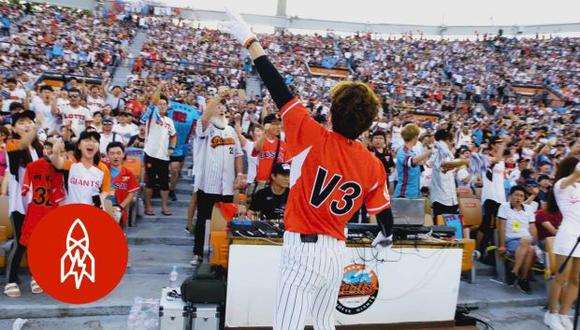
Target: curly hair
<point x="354" y="108"/>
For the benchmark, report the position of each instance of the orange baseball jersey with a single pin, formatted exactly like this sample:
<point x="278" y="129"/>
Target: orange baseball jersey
<point x="331" y="177"/>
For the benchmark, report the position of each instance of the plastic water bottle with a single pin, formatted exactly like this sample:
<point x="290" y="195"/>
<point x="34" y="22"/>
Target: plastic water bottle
<point x="173" y="277"/>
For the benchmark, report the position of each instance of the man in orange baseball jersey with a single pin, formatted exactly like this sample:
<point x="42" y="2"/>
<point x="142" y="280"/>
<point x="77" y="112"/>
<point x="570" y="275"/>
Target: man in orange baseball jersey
<point x="331" y="177"/>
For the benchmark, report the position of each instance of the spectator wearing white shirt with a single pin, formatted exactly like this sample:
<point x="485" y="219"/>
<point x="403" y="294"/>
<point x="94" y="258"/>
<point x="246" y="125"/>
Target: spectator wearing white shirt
<point x="493" y="192"/>
<point x="464" y="137"/>
<point x="44" y="107"/>
<point x="74" y="114"/>
<point x="95" y="102"/>
<point x="464" y="176"/>
<point x="516" y="236"/>
<point x="516" y="172"/>
<point x="565" y="199"/>
<point x="12" y="93"/>
<point x="218" y="167"/>
<point x="160" y="142"/>
<point x="108" y="136"/>
<point x="443" y="191"/>
<point x="115" y="99"/>
<point x="125" y="126"/>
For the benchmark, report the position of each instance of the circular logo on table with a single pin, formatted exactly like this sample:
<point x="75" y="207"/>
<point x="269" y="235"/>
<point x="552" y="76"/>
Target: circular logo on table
<point x="358" y="289"/>
<point x="77" y="254"/>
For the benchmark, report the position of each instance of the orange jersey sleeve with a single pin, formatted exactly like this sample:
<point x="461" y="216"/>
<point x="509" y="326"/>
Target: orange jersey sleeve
<point x="300" y="128"/>
<point x="106" y="184"/>
<point x="12" y="145"/>
<point x="67" y="164"/>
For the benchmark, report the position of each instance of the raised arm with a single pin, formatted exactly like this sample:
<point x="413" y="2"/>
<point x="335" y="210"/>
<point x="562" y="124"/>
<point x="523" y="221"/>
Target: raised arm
<point x="271" y="77"/>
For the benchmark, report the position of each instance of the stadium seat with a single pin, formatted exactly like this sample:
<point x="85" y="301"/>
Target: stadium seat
<point x="428" y="220"/>
<point x="135" y="165"/>
<point x="3" y="238"/>
<point x="464" y="192"/>
<point x="5" y="216"/>
<point x="470" y="209"/>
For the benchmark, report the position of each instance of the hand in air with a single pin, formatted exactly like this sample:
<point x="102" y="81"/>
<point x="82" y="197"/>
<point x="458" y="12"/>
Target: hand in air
<point x="238" y="28"/>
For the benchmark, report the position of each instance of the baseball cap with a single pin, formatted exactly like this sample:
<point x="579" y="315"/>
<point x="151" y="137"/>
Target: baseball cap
<point x="88" y="135"/>
<point x="271" y="118"/>
<point x="108" y="120"/>
<point x="523" y="160"/>
<point x="281" y="168"/>
<point x="125" y="113"/>
<point x="24" y="114"/>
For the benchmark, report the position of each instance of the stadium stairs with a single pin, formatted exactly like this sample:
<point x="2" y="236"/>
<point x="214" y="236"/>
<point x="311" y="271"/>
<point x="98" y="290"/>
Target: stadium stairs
<point x="124" y="70"/>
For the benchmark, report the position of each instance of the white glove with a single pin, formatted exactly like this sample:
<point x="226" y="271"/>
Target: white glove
<point x="238" y="28"/>
<point x="382" y="241"/>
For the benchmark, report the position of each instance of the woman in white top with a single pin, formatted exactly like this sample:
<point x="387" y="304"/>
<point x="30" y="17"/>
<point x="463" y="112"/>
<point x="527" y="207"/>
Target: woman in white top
<point x="566" y="198"/>
<point x="89" y="181"/>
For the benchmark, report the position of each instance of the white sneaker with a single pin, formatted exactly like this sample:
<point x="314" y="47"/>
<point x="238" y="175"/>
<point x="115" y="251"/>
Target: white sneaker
<point x="196" y="261"/>
<point x="566" y="322"/>
<point x="552" y="321"/>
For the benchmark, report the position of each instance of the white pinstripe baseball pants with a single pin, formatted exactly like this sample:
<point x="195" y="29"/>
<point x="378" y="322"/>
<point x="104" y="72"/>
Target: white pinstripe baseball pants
<point x="309" y="281"/>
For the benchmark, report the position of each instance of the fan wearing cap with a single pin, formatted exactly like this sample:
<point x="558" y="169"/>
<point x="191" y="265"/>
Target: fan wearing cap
<point x="108" y="136"/>
<point x="22" y="149"/>
<point x="269" y="149"/>
<point x="270" y="202"/>
<point x="89" y="179"/>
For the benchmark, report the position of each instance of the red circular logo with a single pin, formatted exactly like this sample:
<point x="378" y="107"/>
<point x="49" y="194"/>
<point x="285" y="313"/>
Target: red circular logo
<point x="77" y="254"/>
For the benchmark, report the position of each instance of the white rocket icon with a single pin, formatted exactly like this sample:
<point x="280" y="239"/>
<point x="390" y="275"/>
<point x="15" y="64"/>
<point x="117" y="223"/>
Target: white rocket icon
<point x="77" y="261"/>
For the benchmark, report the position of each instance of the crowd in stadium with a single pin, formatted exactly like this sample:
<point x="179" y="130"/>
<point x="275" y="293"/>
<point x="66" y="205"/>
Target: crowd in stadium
<point x="486" y="137"/>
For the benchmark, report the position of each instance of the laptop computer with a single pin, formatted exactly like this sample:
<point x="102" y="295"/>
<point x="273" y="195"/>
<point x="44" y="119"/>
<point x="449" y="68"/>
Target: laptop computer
<point x="408" y="212"/>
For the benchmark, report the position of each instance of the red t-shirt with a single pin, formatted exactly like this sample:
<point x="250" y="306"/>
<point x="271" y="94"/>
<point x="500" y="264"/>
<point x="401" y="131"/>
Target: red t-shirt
<point x="266" y="158"/>
<point x="47" y="186"/>
<point x="543" y="216"/>
<point x="123" y="184"/>
<point x="331" y="177"/>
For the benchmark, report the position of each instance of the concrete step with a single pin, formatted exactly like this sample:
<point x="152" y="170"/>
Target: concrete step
<point x="111" y="322"/>
<point x="118" y="302"/>
<point x="487" y="292"/>
<point x="181" y="202"/>
<point x="517" y="318"/>
<point x="162" y="231"/>
<point x="159" y="259"/>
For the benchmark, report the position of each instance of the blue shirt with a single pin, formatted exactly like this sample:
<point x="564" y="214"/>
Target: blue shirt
<point x="409" y="177"/>
<point x="114" y="173"/>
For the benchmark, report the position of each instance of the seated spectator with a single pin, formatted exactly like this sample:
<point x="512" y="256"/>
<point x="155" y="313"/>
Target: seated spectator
<point x="123" y="182"/>
<point x="544" y="185"/>
<point x="270" y="202"/>
<point x="516" y="237"/>
<point x="547" y="225"/>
